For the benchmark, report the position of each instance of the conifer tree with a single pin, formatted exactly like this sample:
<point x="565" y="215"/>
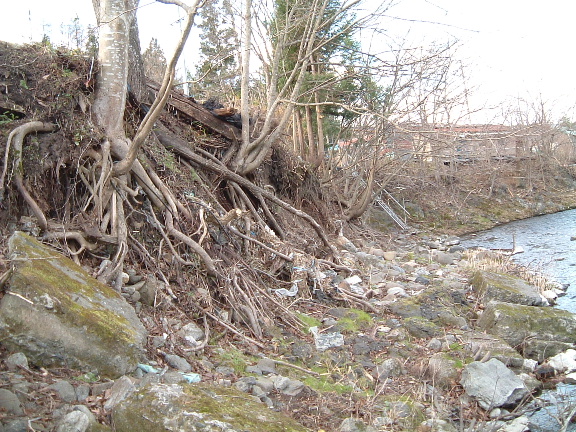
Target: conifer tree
<point x="217" y="71"/>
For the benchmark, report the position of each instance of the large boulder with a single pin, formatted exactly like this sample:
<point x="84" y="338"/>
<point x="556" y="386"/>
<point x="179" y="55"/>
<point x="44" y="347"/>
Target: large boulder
<point x="58" y="315"/>
<point x="492" y="384"/>
<point x="198" y="407"/>
<point x="485" y="345"/>
<point x="441" y="305"/>
<point x="506" y="288"/>
<point x="537" y="332"/>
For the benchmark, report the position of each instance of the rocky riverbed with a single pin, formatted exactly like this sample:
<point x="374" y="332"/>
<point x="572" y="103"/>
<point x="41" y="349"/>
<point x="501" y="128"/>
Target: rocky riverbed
<point x="431" y="337"/>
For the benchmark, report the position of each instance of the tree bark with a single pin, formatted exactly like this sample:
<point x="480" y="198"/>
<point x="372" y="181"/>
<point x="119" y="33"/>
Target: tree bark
<point x="115" y="19"/>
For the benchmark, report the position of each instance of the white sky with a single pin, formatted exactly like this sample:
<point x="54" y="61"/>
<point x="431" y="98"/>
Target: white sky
<point x="514" y="48"/>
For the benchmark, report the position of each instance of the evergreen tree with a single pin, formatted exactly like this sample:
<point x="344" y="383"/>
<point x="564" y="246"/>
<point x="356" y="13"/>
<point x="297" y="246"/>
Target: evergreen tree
<point x="154" y="61"/>
<point x="338" y="79"/>
<point x="217" y="75"/>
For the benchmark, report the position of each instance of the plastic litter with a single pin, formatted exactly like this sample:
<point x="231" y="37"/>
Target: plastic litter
<point x="291" y="292"/>
<point x="192" y="378"/>
<point x="147" y="368"/>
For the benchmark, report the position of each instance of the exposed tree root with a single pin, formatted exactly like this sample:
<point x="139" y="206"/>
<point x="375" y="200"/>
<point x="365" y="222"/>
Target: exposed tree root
<point x="17" y="136"/>
<point x="182" y="148"/>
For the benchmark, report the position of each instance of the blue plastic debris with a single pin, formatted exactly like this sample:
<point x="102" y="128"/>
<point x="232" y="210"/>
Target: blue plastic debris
<point x="147" y="368"/>
<point x="192" y="378"/>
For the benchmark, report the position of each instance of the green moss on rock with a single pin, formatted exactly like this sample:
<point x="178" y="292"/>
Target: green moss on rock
<point x="61" y="316"/>
<point x="506" y="288"/>
<point x="201" y="407"/>
<point x="522" y="326"/>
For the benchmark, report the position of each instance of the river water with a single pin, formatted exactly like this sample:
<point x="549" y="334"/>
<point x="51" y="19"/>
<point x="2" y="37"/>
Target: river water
<point x="548" y="249"/>
<point x="547" y="245"/>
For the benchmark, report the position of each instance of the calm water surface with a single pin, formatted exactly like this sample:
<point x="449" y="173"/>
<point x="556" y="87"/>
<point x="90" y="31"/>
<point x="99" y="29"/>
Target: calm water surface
<point x="547" y="245"/>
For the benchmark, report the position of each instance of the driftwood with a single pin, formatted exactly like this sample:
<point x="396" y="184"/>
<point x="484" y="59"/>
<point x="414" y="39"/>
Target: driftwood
<point x="197" y="112"/>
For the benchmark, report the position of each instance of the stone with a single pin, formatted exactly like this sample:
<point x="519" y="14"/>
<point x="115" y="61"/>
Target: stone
<point x="122" y="388"/>
<point x="266" y="384"/>
<point x="99" y="389"/>
<point x="434" y="344"/>
<point x="391" y="367"/>
<point x="18" y="425"/>
<point x="192" y="334"/>
<point x="540" y="332"/>
<point x="492" y="384"/>
<point x="434" y="304"/>
<point x="354" y="425"/>
<point x="172" y="377"/>
<point x="397" y="291"/>
<point x="353" y="280"/>
<point x="482" y="344"/>
<point x="443" y="258"/>
<point x="225" y="370"/>
<point x="421" y="327"/>
<point x="82" y="392"/>
<point x="437" y="425"/>
<point x="377" y="251"/>
<point x="178" y="362"/>
<point x="62" y="317"/>
<point x="506" y="288"/>
<point x="245" y="384"/>
<point x="564" y="362"/>
<point x="149" y="290"/>
<point x="519" y="424"/>
<point x="195" y="408"/>
<point x="531" y="383"/>
<point x="266" y="366"/>
<point x="10" y="403"/>
<point x="65" y="391"/>
<point x="570" y="378"/>
<point x="443" y="370"/>
<point x="326" y="341"/>
<point x="287" y="386"/>
<point x="74" y="421"/>
<point x="389" y="255"/>
<point x="258" y="392"/>
<point x="368" y="259"/>
<point x="86" y="410"/>
<point x="540" y="350"/>
<point x="16" y="360"/>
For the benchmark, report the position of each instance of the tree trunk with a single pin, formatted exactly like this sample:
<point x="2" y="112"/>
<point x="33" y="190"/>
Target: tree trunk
<point x="300" y="132"/>
<point x="312" y="149"/>
<point x="116" y="18"/>
<point x="319" y="123"/>
<point x="244" y="84"/>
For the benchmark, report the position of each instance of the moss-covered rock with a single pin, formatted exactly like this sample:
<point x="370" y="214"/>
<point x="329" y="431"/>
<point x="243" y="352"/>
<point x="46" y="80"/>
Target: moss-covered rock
<point x="421" y="327"/>
<point x="505" y="288"/>
<point x="537" y="332"/>
<point x="58" y="315"/>
<point x="441" y="305"/>
<point x="200" y="407"/>
<point x="481" y="344"/>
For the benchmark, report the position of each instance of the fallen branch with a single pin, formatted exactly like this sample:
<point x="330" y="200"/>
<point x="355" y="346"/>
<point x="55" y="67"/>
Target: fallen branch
<point x="290" y="365"/>
<point x="233" y="330"/>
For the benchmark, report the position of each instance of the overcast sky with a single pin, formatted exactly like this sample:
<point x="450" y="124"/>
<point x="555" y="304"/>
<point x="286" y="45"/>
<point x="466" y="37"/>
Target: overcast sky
<point x="514" y="48"/>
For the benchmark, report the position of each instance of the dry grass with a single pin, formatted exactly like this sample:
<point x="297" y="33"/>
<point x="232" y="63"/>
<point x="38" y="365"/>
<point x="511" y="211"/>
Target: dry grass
<point x="499" y="263"/>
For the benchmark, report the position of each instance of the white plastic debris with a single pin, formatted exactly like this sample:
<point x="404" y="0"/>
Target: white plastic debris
<point x="353" y="280"/>
<point x="291" y="292"/>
